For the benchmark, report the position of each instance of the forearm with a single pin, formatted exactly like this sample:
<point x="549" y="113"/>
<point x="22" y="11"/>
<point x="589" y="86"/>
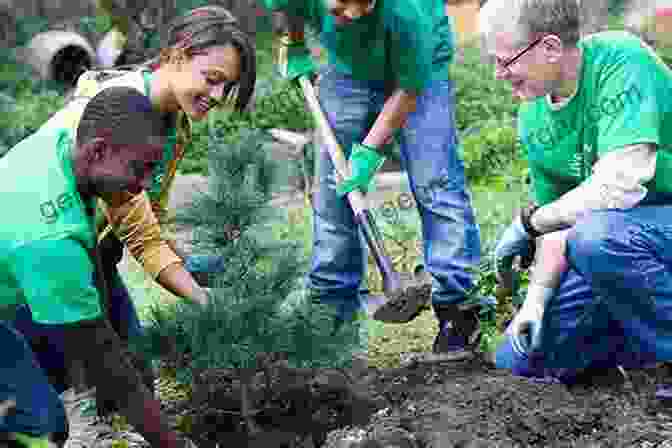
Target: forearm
<point x="550" y="261"/>
<point x="180" y="282"/>
<point x="136" y="226"/>
<point x="566" y="211"/>
<point x="110" y="369"/>
<point x="617" y="183"/>
<point x="393" y="116"/>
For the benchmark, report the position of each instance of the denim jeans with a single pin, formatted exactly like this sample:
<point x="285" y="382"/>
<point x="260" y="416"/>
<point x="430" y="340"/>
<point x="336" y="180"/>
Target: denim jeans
<point x="37" y="372"/>
<point x="429" y="152"/>
<point x="47" y="340"/>
<point x="614" y="306"/>
<point x="39" y="410"/>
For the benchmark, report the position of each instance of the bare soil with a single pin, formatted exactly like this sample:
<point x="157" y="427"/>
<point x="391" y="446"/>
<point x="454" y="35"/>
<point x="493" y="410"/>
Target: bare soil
<point x="435" y="404"/>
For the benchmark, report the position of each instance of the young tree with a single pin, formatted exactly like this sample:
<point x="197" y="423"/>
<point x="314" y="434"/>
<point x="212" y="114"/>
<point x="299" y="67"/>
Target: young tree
<point x="258" y="309"/>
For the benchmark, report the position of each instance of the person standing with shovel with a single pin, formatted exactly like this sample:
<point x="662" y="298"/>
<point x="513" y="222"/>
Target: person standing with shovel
<point x="388" y="68"/>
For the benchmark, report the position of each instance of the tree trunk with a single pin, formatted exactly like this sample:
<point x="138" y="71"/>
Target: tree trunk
<point x="247" y="406"/>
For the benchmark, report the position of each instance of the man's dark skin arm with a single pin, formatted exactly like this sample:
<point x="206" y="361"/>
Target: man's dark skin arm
<point x="109" y="367"/>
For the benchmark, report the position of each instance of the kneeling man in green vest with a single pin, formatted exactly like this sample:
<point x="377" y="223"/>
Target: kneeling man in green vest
<point x="49" y="183"/>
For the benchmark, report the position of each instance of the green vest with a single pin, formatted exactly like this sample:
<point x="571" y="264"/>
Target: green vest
<point x="38" y="189"/>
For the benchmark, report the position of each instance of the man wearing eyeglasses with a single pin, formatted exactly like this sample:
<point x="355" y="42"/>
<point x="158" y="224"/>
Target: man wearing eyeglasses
<point x="595" y="123"/>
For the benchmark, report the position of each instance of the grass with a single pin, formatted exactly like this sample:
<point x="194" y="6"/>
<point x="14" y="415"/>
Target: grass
<point x="388" y="341"/>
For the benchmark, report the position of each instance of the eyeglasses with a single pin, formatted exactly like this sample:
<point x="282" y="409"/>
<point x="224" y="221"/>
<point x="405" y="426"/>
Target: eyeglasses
<point x="504" y="66"/>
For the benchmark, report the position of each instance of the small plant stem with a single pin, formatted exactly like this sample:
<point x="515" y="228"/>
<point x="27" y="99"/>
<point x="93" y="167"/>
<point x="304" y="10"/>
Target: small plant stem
<point x="246" y="406"/>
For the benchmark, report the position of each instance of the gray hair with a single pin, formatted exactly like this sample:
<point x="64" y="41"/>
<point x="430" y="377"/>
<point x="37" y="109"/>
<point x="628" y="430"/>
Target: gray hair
<point x="531" y="18"/>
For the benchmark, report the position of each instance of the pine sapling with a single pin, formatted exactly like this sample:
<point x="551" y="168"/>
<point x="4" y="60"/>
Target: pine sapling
<point x="257" y="310"/>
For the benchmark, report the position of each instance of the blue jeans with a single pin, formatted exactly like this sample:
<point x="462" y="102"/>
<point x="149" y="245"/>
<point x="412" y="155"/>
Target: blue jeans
<point x="39" y="410"/>
<point x="429" y="151"/>
<point x="48" y="341"/>
<point x="122" y="314"/>
<point x="614" y="306"/>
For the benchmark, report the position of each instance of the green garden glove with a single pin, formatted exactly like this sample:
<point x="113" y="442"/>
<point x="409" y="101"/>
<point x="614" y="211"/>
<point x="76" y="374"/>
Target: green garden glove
<point x="294" y="59"/>
<point x="364" y="162"/>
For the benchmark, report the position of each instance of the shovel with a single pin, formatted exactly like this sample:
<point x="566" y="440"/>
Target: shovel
<point x="400" y="303"/>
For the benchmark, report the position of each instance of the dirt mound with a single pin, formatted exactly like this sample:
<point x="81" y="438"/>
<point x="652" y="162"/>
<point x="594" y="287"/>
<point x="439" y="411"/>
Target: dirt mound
<point x="439" y="405"/>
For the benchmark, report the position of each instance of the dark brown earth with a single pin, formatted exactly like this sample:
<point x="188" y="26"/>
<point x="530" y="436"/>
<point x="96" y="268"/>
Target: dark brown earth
<point x="438" y="404"/>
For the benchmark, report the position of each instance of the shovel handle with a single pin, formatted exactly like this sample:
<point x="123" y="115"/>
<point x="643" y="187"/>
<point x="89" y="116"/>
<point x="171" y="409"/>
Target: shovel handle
<point x="358" y="202"/>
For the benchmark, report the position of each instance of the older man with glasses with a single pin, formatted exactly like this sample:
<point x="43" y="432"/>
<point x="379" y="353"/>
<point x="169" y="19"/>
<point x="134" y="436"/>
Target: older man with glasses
<point x="595" y="125"/>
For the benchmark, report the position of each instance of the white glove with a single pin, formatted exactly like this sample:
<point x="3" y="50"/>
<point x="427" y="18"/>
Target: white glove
<point x="525" y="328"/>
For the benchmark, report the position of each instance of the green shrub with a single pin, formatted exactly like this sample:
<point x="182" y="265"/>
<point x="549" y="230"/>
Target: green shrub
<point x="18" y="79"/>
<point x="479" y="98"/>
<point x="277" y="104"/>
<point x="26" y="103"/>
<point x="29" y="112"/>
<point x="492" y="155"/>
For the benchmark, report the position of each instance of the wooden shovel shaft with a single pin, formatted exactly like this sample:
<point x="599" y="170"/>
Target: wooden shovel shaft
<point x="358" y="202"/>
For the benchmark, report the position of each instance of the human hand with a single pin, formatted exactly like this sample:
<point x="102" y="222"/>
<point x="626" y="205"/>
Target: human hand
<point x="364" y="162"/>
<point x="514" y="242"/>
<point x="525" y="328"/>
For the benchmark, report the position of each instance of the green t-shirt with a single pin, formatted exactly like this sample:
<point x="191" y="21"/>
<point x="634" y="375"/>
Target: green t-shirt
<point x="416" y="35"/>
<point x="45" y="233"/>
<point x="623" y="98"/>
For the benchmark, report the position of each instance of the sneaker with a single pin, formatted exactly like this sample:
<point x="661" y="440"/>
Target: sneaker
<point x="88" y="430"/>
<point x="458" y="335"/>
<point x="82" y="413"/>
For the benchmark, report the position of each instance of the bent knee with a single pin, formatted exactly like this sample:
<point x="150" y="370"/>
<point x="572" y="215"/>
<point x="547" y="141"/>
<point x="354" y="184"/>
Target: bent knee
<point x="591" y="235"/>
